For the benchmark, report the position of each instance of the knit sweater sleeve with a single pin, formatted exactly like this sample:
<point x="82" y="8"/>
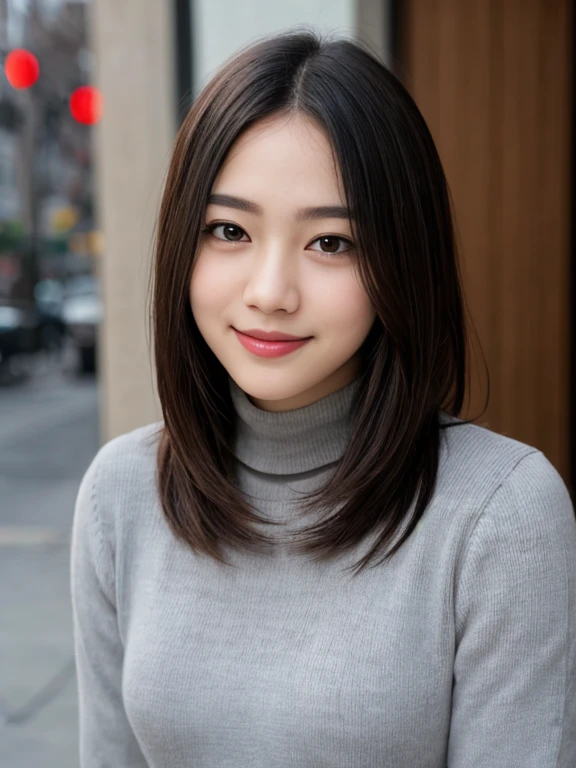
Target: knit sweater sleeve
<point x="514" y="684"/>
<point x="106" y="738"/>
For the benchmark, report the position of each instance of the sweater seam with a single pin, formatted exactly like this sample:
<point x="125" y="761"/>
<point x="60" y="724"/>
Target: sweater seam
<point x="103" y="544"/>
<point x="488" y="502"/>
<point x="482" y="515"/>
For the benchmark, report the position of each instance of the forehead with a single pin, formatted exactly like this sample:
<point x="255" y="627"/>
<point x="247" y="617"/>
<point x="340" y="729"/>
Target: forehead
<point x="292" y="152"/>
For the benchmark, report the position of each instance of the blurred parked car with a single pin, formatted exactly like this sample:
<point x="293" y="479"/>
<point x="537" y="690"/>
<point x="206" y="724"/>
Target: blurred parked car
<point x="27" y="327"/>
<point x="82" y="313"/>
<point x="19" y="330"/>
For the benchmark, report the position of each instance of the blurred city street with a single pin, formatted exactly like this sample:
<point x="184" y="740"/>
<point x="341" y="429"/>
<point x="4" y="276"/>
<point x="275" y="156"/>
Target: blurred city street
<point x="119" y="123"/>
<point x="48" y="436"/>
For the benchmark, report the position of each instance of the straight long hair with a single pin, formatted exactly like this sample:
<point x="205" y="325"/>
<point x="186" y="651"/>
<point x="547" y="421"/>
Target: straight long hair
<point x="415" y="357"/>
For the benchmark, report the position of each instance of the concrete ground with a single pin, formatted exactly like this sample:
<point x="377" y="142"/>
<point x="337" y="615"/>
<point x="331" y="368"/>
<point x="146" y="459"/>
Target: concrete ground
<point x="48" y="436"/>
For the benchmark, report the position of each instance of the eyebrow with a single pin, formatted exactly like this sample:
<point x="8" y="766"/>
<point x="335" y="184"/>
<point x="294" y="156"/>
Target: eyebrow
<point x="302" y="214"/>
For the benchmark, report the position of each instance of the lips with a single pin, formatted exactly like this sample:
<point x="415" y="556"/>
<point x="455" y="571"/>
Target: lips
<point x="267" y="348"/>
<point x="256" y="333"/>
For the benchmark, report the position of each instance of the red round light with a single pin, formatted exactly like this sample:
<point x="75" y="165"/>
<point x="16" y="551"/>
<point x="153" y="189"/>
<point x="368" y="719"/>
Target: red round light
<point x="86" y="104"/>
<point x="21" y="68"/>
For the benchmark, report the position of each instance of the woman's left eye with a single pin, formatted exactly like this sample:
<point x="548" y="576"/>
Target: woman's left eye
<point x="329" y="240"/>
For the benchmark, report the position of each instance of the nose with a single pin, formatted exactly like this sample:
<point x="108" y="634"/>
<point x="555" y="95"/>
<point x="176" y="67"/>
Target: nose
<point x="273" y="285"/>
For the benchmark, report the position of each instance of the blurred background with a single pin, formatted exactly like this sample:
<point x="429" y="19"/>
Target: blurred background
<point x="91" y="97"/>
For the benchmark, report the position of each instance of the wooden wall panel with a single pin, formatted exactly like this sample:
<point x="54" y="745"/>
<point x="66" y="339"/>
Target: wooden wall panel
<point x="493" y="79"/>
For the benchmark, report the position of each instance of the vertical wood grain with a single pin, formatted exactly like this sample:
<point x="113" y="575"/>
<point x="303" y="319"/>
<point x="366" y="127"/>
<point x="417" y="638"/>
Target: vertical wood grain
<point x="493" y="80"/>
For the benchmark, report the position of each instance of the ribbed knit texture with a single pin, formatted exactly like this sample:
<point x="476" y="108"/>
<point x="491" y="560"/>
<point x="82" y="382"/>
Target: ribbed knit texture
<point x="459" y="652"/>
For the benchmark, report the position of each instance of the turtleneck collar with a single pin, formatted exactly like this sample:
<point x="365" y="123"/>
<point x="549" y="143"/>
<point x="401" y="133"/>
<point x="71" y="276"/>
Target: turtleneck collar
<point x="288" y="442"/>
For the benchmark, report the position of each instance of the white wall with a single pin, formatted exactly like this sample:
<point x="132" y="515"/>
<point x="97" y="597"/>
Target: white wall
<point x="221" y="27"/>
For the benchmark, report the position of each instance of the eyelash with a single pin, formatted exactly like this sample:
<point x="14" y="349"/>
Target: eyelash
<point x="211" y="227"/>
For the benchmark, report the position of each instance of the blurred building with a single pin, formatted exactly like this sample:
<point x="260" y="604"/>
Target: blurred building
<point x="495" y="83"/>
<point x="46" y="185"/>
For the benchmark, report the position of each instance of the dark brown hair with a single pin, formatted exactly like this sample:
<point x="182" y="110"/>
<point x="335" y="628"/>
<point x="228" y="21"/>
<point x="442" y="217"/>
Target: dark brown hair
<point x="415" y="355"/>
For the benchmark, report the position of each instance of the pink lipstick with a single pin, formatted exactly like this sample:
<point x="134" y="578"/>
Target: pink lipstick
<point x="269" y="348"/>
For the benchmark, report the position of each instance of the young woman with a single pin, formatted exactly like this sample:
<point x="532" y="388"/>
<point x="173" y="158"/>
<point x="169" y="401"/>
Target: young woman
<point x="312" y="560"/>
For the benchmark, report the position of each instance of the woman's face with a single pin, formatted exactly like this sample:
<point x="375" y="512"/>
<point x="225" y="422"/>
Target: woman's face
<point x="273" y="270"/>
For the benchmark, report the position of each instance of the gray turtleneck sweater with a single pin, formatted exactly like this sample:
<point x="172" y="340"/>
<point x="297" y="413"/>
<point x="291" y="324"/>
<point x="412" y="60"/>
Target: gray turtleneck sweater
<point x="460" y="651"/>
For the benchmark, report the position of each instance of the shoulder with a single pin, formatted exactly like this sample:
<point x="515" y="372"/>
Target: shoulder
<point x="473" y="458"/>
<point x="507" y="495"/>
<point x="129" y="452"/>
<point x="520" y="550"/>
<point x="528" y="500"/>
<point x="491" y="484"/>
<point x="531" y="508"/>
<point x="122" y="473"/>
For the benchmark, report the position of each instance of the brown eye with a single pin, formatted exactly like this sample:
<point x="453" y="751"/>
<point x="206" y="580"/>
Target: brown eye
<point x="232" y="232"/>
<point x="330" y="244"/>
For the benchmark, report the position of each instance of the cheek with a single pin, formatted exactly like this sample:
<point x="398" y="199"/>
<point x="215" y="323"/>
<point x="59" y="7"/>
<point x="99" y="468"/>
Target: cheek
<point x="346" y="307"/>
<point x="207" y="287"/>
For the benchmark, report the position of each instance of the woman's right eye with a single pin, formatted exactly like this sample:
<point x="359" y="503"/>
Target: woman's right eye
<point x="232" y="232"/>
